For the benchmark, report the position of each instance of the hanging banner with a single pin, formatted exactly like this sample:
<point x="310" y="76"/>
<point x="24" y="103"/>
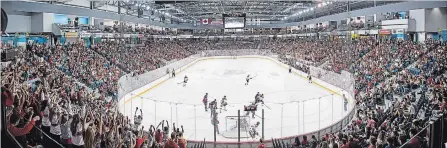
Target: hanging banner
<point x="398" y="31"/>
<point x="373" y="31"/>
<point x="384" y="31"/>
<point x="71" y="34"/>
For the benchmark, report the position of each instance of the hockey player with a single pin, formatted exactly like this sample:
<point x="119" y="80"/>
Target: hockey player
<point x="250" y="108"/>
<point x="253" y="132"/>
<point x="215" y="120"/>
<point x="168" y="72"/>
<point x="185" y="80"/>
<point x="257" y="95"/>
<point x="247" y="79"/>
<point x="345" y="101"/>
<point x="205" y="101"/>
<point x="290" y="68"/>
<point x="213" y="106"/>
<point x="223" y="103"/>
<point x="309" y="77"/>
<point x="173" y="72"/>
<point x="259" y="98"/>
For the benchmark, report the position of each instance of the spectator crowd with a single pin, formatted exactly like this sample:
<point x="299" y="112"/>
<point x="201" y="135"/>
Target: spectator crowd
<point x="66" y="95"/>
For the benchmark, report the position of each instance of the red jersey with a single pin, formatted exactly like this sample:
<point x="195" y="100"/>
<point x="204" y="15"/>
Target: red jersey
<point x="262" y="145"/>
<point x="158" y="137"/>
<point x="181" y="143"/>
<point x="415" y="143"/>
<point x="140" y="142"/>
<point x="371" y="123"/>
<point x="170" y="144"/>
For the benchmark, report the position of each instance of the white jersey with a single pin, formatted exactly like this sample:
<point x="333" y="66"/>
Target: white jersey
<point x="223" y="102"/>
<point x="253" y="131"/>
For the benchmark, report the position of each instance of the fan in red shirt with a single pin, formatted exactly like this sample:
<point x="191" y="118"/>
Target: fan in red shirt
<point x="371" y="122"/>
<point x="140" y="141"/>
<point x="304" y="142"/>
<point x="181" y="141"/>
<point x="7" y="97"/>
<point x="261" y="145"/>
<point x="170" y="143"/>
<point x="158" y="136"/>
<point x="414" y="142"/>
<point x="14" y="121"/>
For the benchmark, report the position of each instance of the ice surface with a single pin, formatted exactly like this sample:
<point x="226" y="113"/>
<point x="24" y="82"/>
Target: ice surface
<point x="293" y="106"/>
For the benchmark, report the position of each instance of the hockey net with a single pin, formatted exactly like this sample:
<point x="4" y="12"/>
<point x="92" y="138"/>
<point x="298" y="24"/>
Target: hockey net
<point x="231" y="127"/>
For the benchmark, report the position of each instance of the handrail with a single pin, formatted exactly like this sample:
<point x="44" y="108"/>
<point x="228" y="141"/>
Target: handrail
<point x="4" y="127"/>
<point x="47" y="136"/>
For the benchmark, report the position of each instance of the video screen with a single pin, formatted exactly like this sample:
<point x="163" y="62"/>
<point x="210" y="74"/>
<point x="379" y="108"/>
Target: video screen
<point x="236" y="20"/>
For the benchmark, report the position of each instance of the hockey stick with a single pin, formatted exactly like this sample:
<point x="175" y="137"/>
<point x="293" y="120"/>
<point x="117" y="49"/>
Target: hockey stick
<point x="266" y="106"/>
<point x="254" y="76"/>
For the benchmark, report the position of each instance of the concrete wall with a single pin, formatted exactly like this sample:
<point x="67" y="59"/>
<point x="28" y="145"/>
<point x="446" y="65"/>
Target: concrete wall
<point x="41" y="22"/>
<point x="37" y="21"/>
<point x="19" y="23"/>
<point x="429" y="20"/>
<point x="379" y="17"/>
<point x="435" y="18"/>
<point x="48" y="19"/>
<point x="110" y="8"/>
<point x="81" y="3"/>
<point x="419" y="16"/>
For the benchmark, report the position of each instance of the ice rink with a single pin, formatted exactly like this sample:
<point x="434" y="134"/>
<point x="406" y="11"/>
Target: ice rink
<point x="293" y="105"/>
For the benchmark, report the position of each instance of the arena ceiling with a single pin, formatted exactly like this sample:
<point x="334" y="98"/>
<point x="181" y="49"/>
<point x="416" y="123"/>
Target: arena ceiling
<point x="189" y="11"/>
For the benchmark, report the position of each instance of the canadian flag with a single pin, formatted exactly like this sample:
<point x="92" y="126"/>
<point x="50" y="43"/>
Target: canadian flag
<point x="205" y="21"/>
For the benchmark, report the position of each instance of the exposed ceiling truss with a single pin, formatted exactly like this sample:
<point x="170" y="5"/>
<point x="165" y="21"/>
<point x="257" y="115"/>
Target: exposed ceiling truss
<point x="189" y="11"/>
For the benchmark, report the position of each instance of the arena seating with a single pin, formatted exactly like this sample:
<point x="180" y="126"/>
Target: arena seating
<point x="70" y="90"/>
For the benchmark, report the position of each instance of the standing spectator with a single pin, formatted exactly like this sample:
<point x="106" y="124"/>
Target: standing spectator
<point x="261" y="144"/>
<point x="19" y="132"/>
<point x="170" y="143"/>
<point x="390" y="143"/>
<point x="297" y="142"/>
<point x="372" y="142"/>
<point x="55" y="129"/>
<point x="414" y="142"/>
<point x="66" y="131"/>
<point x="181" y="141"/>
